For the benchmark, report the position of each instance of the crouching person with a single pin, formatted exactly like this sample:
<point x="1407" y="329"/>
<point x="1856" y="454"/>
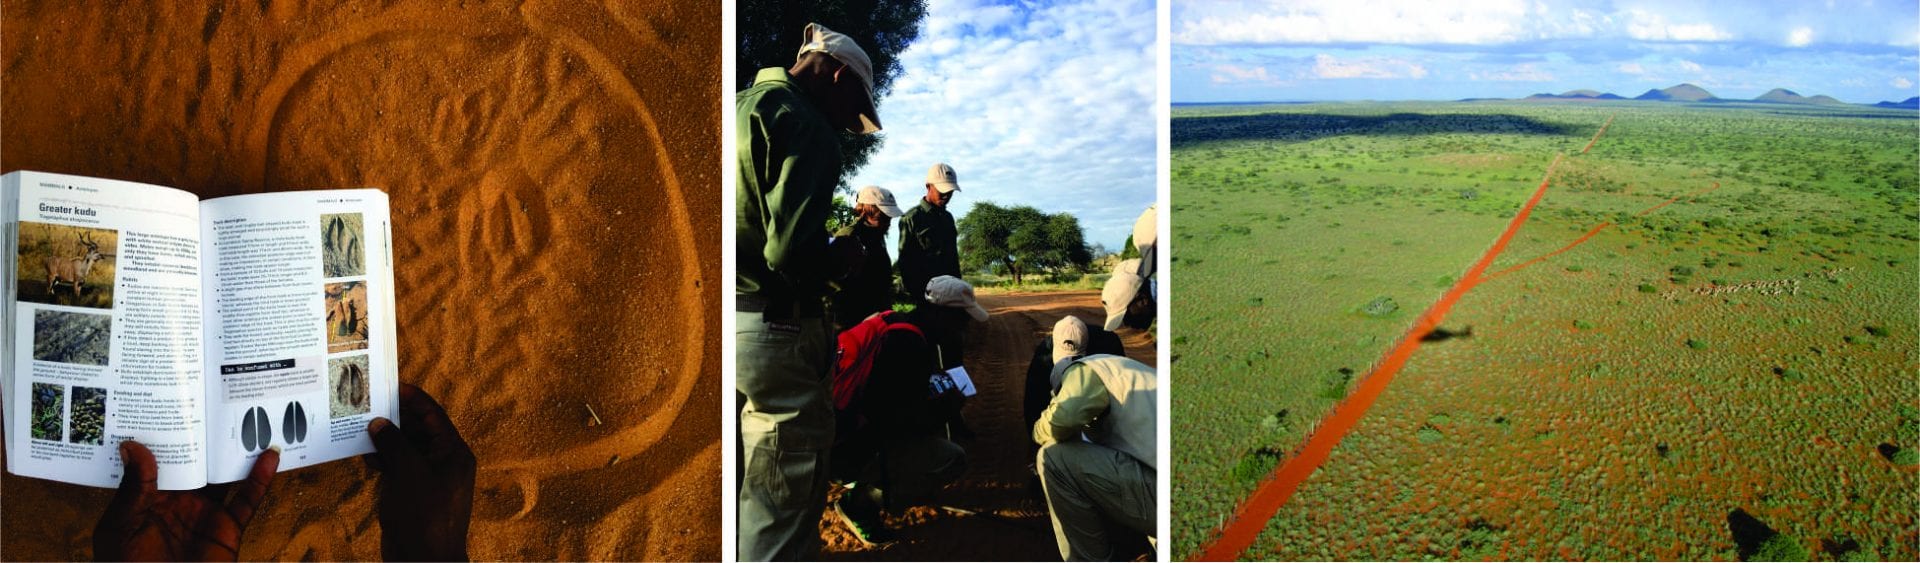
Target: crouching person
<point x="1097" y="443"/>
<point x="893" y="404"/>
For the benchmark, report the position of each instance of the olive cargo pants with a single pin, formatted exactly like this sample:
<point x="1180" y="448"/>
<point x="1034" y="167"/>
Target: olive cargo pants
<point x="786" y="430"/>
<point x="1090" y="487"/>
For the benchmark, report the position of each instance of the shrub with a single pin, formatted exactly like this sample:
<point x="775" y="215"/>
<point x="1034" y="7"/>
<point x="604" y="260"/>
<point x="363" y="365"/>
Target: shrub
<point x="1907" y="456"/>
<point x="1428" y="434"/>
<point x="1256" y="465"/>
<point x="1780" y="548"/>
<point x="1582" y="325"/>
<point x="1380" y="307"/>
<point x="1877" y="331"/>
<point x="1696" y="344"/>
<point x="1648" y="288"/>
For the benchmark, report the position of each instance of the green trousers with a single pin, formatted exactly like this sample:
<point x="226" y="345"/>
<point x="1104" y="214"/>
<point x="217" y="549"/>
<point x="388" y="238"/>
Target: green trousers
<point x="1092" y="489"/>
<point x="786" y="430"/>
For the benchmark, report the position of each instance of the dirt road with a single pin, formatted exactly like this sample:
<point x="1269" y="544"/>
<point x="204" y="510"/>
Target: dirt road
<point x="1010" y="523"/>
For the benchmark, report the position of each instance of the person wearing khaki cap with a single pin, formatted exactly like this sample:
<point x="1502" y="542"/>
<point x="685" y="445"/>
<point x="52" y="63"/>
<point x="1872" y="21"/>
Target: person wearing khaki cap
<point x="869" y="290"/>
<point x="1096" y="462"/>
<point x="788" y="165"/>
<point x="930" y="244"/>
<point x="929" y="241"/>
<point x="1128" y="297"/>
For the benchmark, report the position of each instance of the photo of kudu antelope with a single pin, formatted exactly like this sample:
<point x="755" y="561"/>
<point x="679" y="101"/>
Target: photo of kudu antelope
<point x="66" y="265"/>
<point x="74" y="269"/>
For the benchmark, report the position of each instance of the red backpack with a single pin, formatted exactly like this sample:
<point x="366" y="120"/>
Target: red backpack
<point x="858" y="347"/>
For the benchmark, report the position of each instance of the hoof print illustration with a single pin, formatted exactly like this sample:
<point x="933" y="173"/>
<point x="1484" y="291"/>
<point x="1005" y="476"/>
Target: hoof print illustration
<point x="293" y="424"/>
<point x="256" y="430"/>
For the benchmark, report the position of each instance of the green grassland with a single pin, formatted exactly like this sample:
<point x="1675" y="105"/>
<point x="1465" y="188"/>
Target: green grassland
<point x="1751" y="350"/>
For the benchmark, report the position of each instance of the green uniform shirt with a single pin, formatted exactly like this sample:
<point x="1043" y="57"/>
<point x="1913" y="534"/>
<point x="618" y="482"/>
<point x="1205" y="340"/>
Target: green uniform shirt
<point x="789" y="156"/>
<point x="870" y="291"/>
<point x="929" y="247"/>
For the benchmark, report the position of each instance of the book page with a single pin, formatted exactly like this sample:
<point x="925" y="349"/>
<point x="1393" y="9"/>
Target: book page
<point x="103" y="329"/>
<point x="300" y="338"/>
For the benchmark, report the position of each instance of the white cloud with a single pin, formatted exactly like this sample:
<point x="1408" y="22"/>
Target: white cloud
<point x="1052" y="107"/>
<point x="1229" y="74"/>
<point x="1901" y="82"/>
<point x="1325" y="66"/>
<point x="1631" y="68"/>
<point x="1800" y="36"/>
<point x="1688" y="66"/>
<point x="1526" y="72"/>
<point x="1649" y="26"/>
<point x="1370" y="21"/>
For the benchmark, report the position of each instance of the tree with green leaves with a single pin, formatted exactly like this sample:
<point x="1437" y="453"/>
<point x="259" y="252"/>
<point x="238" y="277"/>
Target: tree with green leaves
<point x="769" y="35"/>
<point x="1021" y="239"/>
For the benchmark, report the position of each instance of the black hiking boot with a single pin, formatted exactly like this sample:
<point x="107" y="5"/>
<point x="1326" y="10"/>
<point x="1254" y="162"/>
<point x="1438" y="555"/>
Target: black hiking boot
<point x="857" y="511"/>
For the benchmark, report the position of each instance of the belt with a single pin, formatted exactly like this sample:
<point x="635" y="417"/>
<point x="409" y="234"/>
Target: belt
<point x="799" y="309"/>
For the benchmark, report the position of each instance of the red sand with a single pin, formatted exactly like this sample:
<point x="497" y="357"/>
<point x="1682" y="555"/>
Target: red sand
<point x="555" y="218"/>
<point x="1007" y="524"/>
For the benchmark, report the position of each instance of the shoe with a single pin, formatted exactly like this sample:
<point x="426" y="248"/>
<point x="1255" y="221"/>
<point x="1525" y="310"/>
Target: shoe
<point x="863" y="520"/>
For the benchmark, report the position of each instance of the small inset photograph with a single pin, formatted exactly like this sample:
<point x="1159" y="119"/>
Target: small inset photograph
<point x="89" y="416"/>
<point x="48" y="400"/>
<point x="342" y="250"/>
<point x="347" y="386"/>
<point x="346" y="316"/>
<point x="66" y="265"/>
<point x="72" y="338"/>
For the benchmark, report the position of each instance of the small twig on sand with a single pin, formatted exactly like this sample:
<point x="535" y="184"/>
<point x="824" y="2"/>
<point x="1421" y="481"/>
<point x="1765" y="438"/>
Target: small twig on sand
<point x="995" y="517"/>
<point x="595" y="415"/>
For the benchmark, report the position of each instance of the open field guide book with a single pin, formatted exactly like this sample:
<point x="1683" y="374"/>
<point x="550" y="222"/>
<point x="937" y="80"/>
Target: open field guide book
<point x="210" y="331"/>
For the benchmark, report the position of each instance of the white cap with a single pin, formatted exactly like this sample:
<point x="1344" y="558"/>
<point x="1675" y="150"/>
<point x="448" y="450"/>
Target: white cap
<point x="1145" y="229"/>
<point x="845" y="50"/>
<point x="878" y="197"/>
<point x="949" y="291"/>
<point x="1120" y="291"/>
<point x="941" y="177"/>
<point x="1069" y="338"/>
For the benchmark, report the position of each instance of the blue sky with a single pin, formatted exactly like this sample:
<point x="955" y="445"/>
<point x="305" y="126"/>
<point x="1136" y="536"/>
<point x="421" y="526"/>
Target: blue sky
<point x="1048" y="105"/>
<point x="1860" y="51"/>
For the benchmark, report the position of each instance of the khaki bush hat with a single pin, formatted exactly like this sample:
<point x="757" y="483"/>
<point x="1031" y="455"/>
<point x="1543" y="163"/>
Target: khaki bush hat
<point x="949" y="291"/>
<point x="845" y="50"/>
<point x="878" y="197"/>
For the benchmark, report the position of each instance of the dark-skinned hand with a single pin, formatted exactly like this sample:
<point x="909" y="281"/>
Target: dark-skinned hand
<point x="426" y="483"/>
<point x="143" y="523"/>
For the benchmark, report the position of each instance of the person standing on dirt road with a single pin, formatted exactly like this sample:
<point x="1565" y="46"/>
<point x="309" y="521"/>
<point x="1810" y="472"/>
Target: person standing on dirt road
<point x="1097" y="442"/>
<point x="894" y="450"/>
<point x="789" y="165"/>
<point x="930" y="246"/>
<point x="871" y="289"/>
<point x="929" y="241"/>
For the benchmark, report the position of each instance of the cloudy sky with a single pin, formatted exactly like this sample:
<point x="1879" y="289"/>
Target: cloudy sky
<point x="1050" y="106"/>
<point x="1861" y="51"/>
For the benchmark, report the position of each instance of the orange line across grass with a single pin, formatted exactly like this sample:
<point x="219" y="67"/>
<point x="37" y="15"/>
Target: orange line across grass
<point x="1596" y="230"/>
<point x="1597" y="134"/>
<point x="1253" y="515"/>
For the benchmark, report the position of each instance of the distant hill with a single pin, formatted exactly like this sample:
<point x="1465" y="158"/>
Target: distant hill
<point x="1911" y="103"/>
<point x="1785" y="96"/>
<point x="1576" y="95"/>
<point x="1692" y="93"/>
<point x="1678" y="93"/>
